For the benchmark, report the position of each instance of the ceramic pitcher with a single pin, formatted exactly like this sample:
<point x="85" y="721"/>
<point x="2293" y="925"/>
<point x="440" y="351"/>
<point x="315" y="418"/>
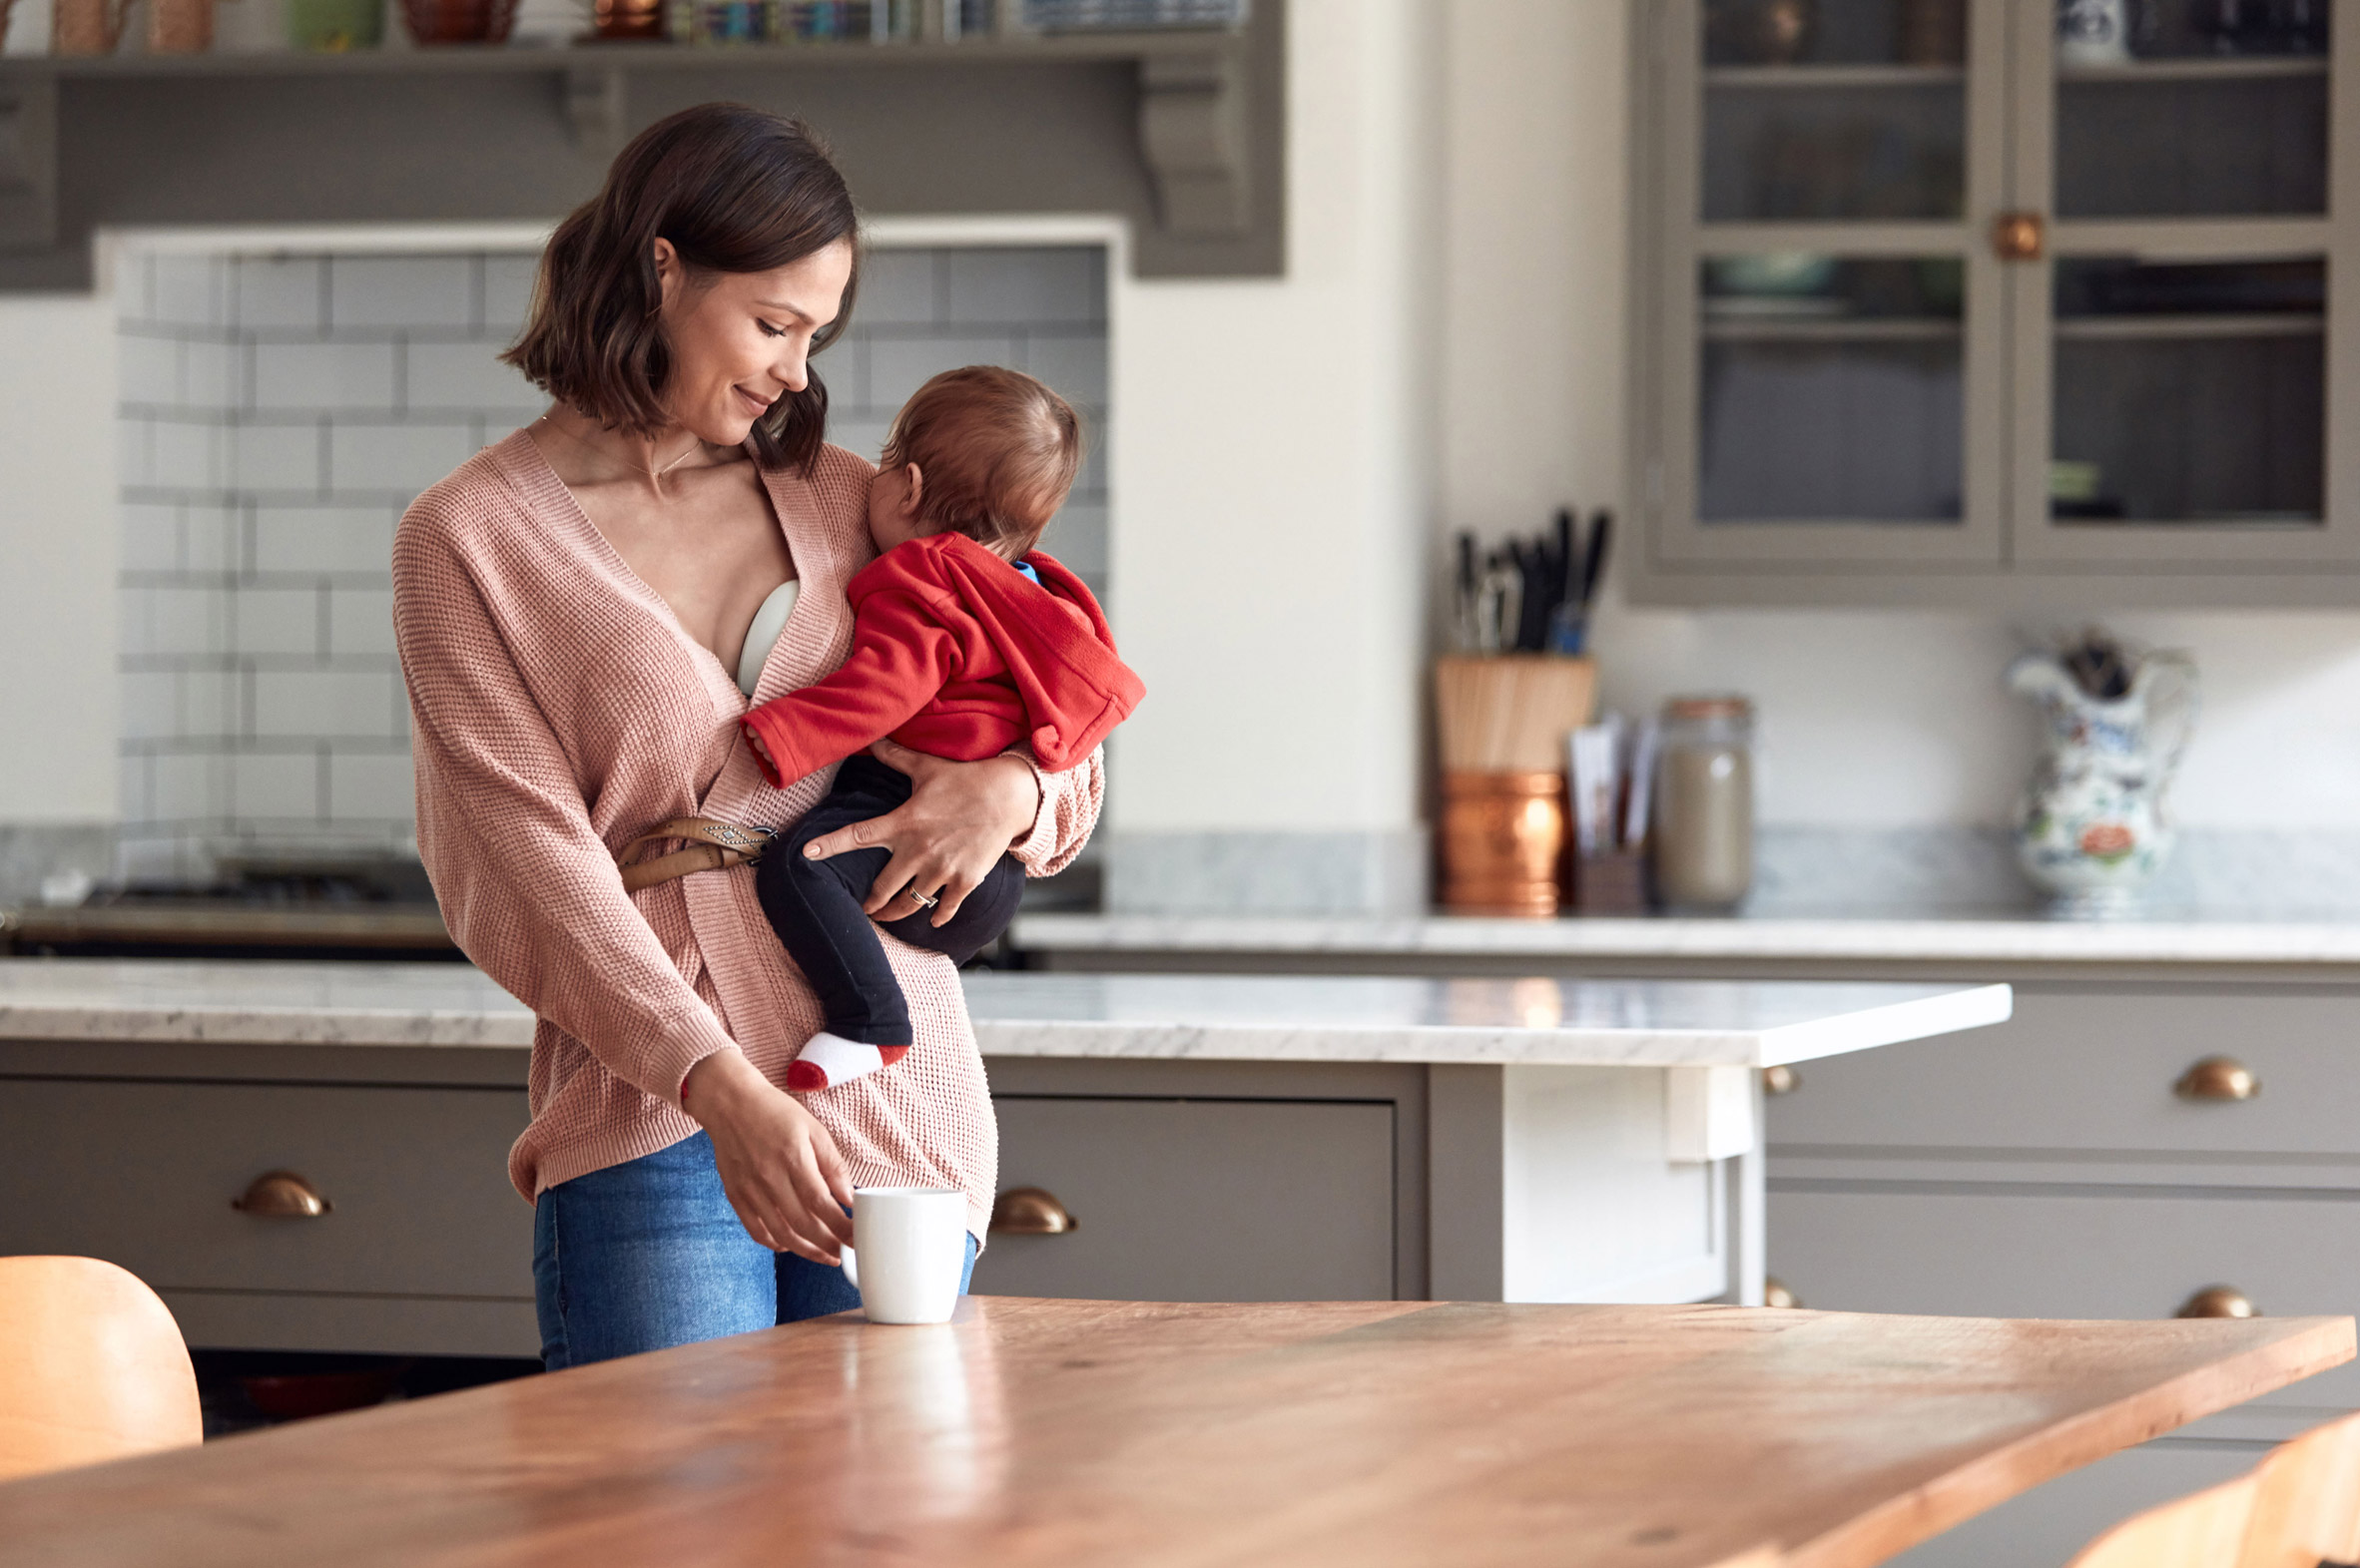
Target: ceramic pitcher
<point x="2091" y="829"/>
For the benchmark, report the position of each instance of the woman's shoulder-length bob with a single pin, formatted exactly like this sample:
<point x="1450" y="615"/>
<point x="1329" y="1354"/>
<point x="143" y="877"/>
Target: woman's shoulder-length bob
<point x="736" y="189"/>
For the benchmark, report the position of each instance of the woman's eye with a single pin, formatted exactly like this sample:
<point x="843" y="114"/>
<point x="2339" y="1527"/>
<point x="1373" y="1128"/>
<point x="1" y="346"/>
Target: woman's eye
<point x="769" y="330"/>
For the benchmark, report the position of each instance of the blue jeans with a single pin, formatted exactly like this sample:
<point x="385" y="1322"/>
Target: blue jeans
<point x="648" y="1254"/>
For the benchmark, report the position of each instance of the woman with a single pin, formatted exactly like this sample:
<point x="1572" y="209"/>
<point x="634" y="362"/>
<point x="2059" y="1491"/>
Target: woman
<point x="569" y="605"/>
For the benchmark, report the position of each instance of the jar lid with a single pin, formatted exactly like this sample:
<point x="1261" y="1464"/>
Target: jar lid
<point x="1722" y="706"/>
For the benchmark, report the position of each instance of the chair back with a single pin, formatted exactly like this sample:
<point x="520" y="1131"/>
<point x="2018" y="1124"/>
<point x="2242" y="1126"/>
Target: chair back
<point x="92" y="1367"/>
<point x="2201" y="1530"/>
<point x="2307" y="1507"/>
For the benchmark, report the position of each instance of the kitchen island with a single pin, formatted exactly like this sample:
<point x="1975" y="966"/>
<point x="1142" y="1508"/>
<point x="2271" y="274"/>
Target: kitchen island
<point x="1215" y="1137"/>
<point x="2169" y="1122"/>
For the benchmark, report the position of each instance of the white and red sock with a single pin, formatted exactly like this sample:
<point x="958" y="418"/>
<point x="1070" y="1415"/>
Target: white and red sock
<point x="831" y="1059"/>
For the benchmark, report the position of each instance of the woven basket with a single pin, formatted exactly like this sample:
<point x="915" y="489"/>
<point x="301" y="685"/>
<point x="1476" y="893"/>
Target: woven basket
<point x="460" y="21"/>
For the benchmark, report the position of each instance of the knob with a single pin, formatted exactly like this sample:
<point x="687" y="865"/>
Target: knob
<point x="1031" y="1211"/>
<point x="1775" y="1293"/>
<point x="2218" y="1301"/>
<point x="2017" y="237"/>
<point x="2218" y="1078"/>
<point x="1781" y="1080"/>
<point x="280" y="1195"/>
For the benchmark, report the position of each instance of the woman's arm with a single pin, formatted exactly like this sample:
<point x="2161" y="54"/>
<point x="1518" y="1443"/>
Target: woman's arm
<point x="961" y="817"/>
<point x="531" y="894"/>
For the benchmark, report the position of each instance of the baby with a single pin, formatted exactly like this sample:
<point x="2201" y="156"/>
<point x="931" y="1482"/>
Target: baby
<point x="966" y="643"/>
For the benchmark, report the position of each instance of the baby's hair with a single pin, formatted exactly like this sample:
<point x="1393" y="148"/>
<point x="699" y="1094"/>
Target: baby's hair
<point x="997" y="451"/>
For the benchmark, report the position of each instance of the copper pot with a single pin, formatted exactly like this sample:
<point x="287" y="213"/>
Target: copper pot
<point x="627" y="19"/>
<point x="1504" y="842"/>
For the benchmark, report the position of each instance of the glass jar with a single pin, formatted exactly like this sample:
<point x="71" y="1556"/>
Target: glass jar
<point x="1704" y="803"/>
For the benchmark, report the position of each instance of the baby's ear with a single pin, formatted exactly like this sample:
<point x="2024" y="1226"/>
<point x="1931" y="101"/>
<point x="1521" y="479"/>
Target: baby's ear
<point x="917" y="488"/>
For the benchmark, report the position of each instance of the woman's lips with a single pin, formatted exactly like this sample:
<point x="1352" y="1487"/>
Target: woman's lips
<point x="755" y="405"/>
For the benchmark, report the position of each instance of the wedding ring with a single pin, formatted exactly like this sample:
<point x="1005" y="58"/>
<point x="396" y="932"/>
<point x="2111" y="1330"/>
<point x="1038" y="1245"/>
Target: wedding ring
<point x="923" y="898"/>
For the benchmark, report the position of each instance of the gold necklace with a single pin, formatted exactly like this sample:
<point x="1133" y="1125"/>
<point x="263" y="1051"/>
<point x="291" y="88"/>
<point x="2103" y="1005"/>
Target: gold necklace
<point x="655" y="475"/>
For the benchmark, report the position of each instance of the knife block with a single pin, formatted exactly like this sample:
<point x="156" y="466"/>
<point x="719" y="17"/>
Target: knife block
<point x="1610" y="884"/>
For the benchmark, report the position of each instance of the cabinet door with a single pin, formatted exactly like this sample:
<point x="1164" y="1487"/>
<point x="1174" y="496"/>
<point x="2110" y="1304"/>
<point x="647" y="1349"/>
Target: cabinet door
<point x="1826" y="356"/>
<point x="1199" y="1199"/>
<point x="2175" y="347"/>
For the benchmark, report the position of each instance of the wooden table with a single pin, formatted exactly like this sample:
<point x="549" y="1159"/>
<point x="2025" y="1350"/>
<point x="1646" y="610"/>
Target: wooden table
<point x="1063" y="1433"/>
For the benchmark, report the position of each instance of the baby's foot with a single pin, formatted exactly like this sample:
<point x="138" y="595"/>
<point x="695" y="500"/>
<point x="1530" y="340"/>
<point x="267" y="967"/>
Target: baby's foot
<point x="831" y="1059"/>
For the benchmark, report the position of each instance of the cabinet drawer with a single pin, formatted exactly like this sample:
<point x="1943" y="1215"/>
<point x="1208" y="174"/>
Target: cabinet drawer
<point x="143" y="1174"/>
<point x="2094" y="1070"/>
<point x="1199" y="1199"/>
<point x="1983" y="1255"/>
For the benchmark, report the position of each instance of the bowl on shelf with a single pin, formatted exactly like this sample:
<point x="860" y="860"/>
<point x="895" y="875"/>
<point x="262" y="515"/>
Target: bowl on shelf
<point x="460" y="21"/>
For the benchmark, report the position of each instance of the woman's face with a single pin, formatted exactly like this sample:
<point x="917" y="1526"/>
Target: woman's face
<point x="740" y="340"/>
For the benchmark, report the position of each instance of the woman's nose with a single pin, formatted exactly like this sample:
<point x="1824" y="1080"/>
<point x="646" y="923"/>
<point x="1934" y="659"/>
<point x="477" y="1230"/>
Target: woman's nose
<point x="793" y="369"/>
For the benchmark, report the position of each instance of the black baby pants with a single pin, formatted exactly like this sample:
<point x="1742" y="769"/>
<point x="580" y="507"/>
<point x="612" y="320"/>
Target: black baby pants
<point x="814" y="907"/>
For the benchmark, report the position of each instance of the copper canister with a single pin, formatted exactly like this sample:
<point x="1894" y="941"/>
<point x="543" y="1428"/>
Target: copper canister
<point x="1504" y="842"/>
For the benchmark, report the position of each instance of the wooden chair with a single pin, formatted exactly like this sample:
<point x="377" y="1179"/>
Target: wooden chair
<point x="2201" y="1530"/>
<point x="2306" y="1509"/>
<point x="92" y="1367"/>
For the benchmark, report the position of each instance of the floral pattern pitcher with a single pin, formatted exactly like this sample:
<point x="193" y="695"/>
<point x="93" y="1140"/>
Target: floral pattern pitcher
<point x="2091" y="829"/>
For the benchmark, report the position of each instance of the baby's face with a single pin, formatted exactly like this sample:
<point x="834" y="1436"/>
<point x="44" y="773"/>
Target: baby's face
<point x="892" y="511"/>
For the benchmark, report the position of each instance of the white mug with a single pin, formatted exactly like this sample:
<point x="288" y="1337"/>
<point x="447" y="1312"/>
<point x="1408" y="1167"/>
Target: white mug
<point x="914" y="1240"/>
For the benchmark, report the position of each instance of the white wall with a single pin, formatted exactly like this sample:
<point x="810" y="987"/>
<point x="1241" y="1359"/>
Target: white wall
<point x="1270" y="475"/>
<point x="57" y="548"/>
<point x="1873" y="719"/>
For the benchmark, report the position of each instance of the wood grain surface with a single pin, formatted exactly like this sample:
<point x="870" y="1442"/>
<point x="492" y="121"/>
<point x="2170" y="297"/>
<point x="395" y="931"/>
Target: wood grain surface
<point x="1062" y="1432"/>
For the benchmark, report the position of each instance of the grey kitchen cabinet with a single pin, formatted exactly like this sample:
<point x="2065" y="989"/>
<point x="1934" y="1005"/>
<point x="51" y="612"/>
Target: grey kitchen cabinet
<point x="1200" y="1199"/>
<point x="1928" y="308"/>
<point x="2047" y="1169"/>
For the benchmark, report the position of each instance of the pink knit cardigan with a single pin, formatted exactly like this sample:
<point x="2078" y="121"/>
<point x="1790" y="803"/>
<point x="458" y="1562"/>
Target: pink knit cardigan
<point x="560" y="710"/>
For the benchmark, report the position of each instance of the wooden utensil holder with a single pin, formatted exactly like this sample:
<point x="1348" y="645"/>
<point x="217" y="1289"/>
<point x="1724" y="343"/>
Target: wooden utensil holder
<point x="1510" y="713"/>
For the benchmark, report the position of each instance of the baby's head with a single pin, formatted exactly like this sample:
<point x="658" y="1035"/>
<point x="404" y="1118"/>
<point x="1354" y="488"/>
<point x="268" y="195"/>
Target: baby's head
<point x="983" y="451"/>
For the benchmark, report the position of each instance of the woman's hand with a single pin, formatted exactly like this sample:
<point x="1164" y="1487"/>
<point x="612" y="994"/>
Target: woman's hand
<point x="778" y="1165"/>
<point x="959" y="820"/>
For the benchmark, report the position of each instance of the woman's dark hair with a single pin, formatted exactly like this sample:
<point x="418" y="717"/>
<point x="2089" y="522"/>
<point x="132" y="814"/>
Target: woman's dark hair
<point x="736" y="189"/>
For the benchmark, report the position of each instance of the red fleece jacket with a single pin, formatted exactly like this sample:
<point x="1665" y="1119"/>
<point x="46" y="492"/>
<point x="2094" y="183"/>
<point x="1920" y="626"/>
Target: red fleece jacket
<point x="957" y="655"/>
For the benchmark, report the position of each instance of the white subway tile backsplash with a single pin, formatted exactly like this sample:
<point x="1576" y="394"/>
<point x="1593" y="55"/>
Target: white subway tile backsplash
<point x="178" y="620"/>
<point x="899" y="365"/>
<point x="1074" y="366"/>
<point x="402" y="458"/>
<point x="988" y="285"/>
<point x="289" y="408"/>
<point x="190" y="786"/>
<point x="282" y="291"/>
<point x="313" y="376"/>
<point x="328" y="703"/>
<point x="280" y="457"/>
<point x="400" y="292"/>
<point x="151" y="538"/>
<point x="265" y="784"/>
<point x="187" y="291"/>
<point x="897" y="287"/>
<point x="467" y="375"/>
<point x="343" y="539"/>
<point x="147" y="371"/>
<point x="371" y="785"/>
<point x="277" y="621"/>
<point x="359" y="621"/>
<point x="507" y="292"/>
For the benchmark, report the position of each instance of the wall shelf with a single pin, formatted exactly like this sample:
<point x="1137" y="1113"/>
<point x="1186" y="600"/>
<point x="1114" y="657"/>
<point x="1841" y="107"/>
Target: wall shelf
<point x="1182" y="131"/>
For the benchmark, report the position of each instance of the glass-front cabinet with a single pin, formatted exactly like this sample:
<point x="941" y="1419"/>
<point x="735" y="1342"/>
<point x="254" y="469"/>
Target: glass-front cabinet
<point x="1939" y="298"/>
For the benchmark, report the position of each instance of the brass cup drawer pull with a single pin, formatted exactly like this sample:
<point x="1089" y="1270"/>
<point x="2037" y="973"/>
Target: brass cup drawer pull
<point x="1781" y="1080"/>
<point x="2218" y="1078"/>
<point x="282" y="1195"/>
<point x="2218" y="1301"/>
<point x="1031" y="1211"/>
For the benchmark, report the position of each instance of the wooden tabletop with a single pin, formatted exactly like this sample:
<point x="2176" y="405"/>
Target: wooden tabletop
<point x="1064" y="1432"/>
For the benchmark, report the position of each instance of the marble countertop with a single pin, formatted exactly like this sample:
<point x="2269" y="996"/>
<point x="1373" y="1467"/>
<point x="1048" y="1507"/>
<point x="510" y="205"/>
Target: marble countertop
<point x="1204" y="1017"/>
<point x="1998" y="937"/>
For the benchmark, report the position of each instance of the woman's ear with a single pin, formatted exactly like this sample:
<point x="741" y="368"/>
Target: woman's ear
<point x="669" y="271"/>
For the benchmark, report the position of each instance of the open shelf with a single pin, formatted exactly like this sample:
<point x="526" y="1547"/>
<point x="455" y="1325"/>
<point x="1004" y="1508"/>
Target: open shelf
<point x="1822" y="77"/>
<point x="1844" y="329"/>
<point x="2257" y="325"/>
<point x="1179" y="130"/>
<point x="2200" y="68"/>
